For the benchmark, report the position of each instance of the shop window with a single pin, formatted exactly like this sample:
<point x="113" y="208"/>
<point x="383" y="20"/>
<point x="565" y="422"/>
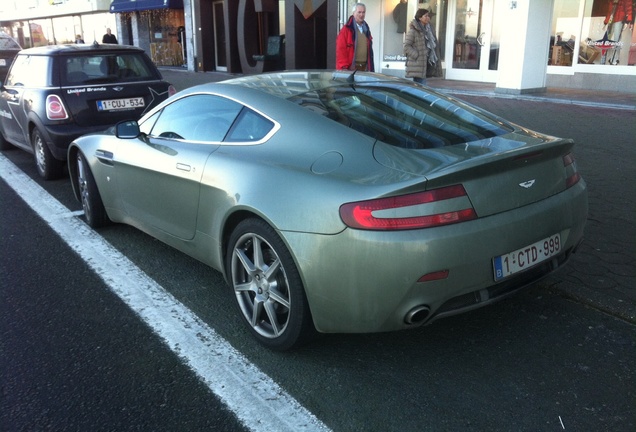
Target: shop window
<point x="565" y="28"/>
<point x="398" y="14"/>
<point x="166" y="36"/>
<point x="607" y="33"/>
<point x="598" y="32"/>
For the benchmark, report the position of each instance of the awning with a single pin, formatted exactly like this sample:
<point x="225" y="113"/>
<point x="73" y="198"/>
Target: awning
<point x="139" y="5"/>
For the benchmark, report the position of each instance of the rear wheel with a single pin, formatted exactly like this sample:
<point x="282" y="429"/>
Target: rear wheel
<point x="267" y="286"/>
<point x="49" y="168"/>
<point x="94" y="211"/>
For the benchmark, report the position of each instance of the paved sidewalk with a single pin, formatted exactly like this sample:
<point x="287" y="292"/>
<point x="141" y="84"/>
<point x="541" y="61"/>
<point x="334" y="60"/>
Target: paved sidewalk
<point x="605" y="99"/>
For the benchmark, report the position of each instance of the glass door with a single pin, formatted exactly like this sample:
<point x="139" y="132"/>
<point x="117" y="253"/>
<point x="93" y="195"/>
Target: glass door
<point x="220" y="62"/>
<point x="474" y="53"/>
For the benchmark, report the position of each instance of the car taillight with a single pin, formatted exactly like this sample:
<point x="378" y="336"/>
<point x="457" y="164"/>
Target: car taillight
<point x="418" y="210"/>
<point x="171" y="90"/>
<point x="55" y="108"/>
<point x="573" y="175"/>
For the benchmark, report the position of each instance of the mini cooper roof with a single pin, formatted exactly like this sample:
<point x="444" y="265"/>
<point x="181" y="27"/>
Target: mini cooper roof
<point x="69" y="49"/>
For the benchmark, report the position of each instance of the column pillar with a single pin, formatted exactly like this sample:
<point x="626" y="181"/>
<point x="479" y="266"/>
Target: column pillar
<point x="525" y="40"/>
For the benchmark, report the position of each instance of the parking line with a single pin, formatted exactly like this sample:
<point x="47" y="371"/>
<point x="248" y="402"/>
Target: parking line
<point x="257" y="401"/>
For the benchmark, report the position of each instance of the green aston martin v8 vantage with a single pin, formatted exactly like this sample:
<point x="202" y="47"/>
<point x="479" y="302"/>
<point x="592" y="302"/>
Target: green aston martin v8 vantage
<point x="339" y="202"/>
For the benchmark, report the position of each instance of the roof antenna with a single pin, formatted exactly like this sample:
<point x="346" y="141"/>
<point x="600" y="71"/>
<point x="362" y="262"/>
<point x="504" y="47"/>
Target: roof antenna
<point x="351" y="78"/>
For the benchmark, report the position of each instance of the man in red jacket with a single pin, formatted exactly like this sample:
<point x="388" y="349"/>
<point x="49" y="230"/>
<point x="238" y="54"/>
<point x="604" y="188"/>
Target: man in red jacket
<point x="354" y="43"/>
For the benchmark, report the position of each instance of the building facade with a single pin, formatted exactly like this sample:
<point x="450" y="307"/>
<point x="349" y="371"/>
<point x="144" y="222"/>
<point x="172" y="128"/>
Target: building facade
<point x="522" y="46"/>
<point x="46" y="22"/>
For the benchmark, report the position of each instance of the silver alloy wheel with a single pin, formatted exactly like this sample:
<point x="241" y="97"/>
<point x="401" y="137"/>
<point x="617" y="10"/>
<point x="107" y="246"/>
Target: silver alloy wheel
<point x="83" y="187"/>
<point x="38" y="148"/>
<point x="261" y="285"/>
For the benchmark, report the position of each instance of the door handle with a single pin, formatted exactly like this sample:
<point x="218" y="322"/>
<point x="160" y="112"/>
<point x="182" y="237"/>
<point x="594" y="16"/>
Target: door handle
<point x="184" y="167"/>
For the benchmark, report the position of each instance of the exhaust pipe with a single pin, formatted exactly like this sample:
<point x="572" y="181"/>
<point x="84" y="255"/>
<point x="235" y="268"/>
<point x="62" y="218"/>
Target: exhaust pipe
<point x="417" y="315"/>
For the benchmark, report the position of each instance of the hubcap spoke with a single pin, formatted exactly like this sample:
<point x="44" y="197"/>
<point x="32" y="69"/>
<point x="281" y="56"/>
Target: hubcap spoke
<point x="256" y="313"/>
<point x="278" y="297"/>
<point x="258" y="253"/>
<point x="248" y="265"/>
<point x="273" y="318"/>
<point x="271" y="271"/>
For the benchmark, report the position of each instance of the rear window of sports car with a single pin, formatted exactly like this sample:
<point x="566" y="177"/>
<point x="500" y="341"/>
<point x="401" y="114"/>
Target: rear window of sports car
<point x="407" y="117"/>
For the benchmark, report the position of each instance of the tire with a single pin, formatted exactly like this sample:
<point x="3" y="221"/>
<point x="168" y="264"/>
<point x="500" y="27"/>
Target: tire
<point x="4" y="144"/>
<point x="94" y="211"/>
<point x="268" y="288"/>
<point x="48" y="167"/>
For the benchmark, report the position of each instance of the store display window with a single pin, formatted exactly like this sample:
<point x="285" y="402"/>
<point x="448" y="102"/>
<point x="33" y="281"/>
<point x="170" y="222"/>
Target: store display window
<point x="593" y="32"/>
<point x="397" y="16"/>
<point x="167" y="29"/>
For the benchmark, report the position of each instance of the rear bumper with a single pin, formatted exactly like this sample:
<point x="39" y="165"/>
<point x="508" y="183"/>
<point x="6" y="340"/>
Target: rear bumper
<point x="367" y="281"/>
<point x="59" y="137"/>
<point x="476" y="299"/>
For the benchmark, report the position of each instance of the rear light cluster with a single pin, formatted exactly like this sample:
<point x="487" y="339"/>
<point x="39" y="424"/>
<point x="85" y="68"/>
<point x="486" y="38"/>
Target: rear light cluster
<point x="171" y="90"/>
<point x="411" y="211"/>
<point x="573" y="177"/>
<point x="55" y="109"/>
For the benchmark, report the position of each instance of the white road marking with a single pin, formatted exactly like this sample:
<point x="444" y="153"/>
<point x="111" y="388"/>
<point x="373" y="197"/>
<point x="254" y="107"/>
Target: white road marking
<point x="257" y="401"/>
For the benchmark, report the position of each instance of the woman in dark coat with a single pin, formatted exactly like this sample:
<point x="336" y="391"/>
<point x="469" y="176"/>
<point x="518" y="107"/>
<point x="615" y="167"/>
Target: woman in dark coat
<point x="419" y="47"/>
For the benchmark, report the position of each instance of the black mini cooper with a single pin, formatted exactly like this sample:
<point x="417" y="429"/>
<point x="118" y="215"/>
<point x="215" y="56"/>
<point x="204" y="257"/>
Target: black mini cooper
<point x="54" y="94"/>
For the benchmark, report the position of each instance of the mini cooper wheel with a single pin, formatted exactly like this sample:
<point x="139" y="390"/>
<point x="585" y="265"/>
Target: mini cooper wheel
<point x="267" y="286"/>
<point x="49" y="168"/>
<point x="4" y="144"/>
<point x="94" y="211"/>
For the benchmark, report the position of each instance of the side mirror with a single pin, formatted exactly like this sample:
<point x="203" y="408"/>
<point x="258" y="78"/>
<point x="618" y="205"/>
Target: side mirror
<point x="128" y="129"/>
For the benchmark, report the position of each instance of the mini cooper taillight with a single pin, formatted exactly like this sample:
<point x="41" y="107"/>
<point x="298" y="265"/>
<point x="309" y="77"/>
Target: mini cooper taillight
<point x="428" y="209"/>
<point x="55" y="109"/>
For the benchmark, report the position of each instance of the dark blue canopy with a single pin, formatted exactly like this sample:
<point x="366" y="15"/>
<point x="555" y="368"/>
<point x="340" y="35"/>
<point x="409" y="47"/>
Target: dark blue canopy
<point x="139" y="5"/>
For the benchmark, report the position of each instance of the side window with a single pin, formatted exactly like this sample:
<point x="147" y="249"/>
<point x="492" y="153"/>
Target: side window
<point x="250" y="126"/>
<point x="204" y="118"/>
<point x="27" y="71"/>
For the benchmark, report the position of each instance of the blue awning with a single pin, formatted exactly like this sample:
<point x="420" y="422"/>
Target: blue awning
<point x="140" y="5"/>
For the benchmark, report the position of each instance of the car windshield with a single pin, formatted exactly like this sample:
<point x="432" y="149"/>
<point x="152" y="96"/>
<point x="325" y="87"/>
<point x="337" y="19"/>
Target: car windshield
<point x="7" y="43"/>
<point x="105" y="68"/>
<point x="408" y="117"/>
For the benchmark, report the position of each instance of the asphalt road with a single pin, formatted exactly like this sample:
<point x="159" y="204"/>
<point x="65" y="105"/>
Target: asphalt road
<point x="558" y="356"/>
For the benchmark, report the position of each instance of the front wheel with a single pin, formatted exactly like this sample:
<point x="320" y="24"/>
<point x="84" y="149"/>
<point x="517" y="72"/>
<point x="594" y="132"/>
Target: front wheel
<point x="4" y="144"/>
<point x="267" y="286"/>
<point x="94" y="211"/>
<point x="49" y="168"/>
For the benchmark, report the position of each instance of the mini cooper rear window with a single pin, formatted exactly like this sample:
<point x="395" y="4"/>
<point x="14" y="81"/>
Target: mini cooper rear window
<point x="407" y="117"/>
<point x="105" y="68"/>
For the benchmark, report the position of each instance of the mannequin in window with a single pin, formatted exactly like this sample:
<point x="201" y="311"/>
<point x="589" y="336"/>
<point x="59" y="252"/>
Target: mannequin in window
<point x="619" y="13"/>
<point x="399" y="16"/>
